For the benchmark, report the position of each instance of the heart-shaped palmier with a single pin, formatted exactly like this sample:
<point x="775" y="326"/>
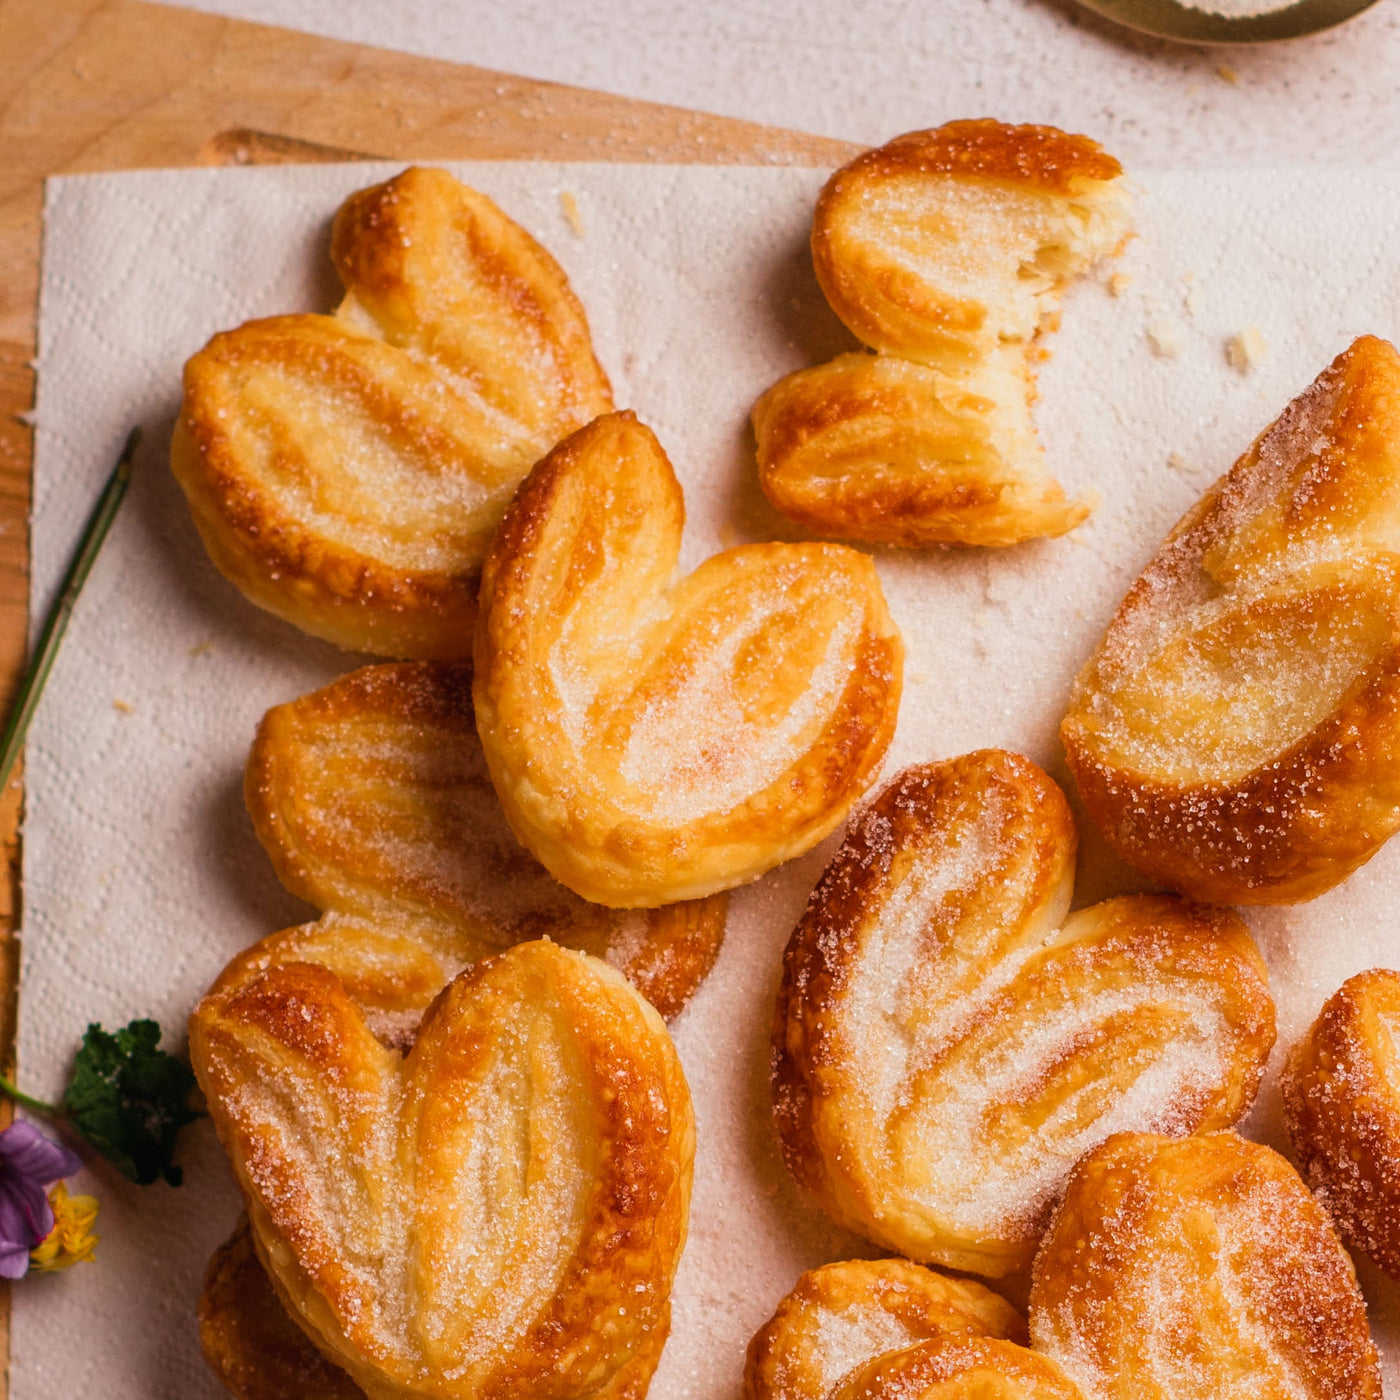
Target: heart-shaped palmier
<point x="947" y="1043"/>
<point x="499" y="1212"/>
<point x="347" y="471"/>
<point x="654" y="739"/>
<point x="1341" y="1102"/>
<point x="947" y="252"/>
<point x="372" y="798"/>
<point x="1197" y="1268"/>
<point x="840" y="1317"/>
<point x="1237" y="733"/>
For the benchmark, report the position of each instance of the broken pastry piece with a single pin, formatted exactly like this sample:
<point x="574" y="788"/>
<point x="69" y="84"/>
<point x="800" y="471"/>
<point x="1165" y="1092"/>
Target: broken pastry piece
<point x="949" y="1039"/>
<point x="347" y="471"/>
<point x="1237" y="733"/>
<point x="1197" y="1268"/>
<point x="1342" y="1107"/>
<point x="655" y="738"/>
<point x="946" y="251"/>
<point x="841" y="1317"/>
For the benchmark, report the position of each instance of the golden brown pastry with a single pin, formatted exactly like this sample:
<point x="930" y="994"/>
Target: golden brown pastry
<point x="373" y="800"/>
<point x="947" y="1042"/>
<point x="1342" y="1108"/>
<point x="1197" y="1268"/>
<point x="840" y="1317"/>
<point x="347" y="471"/>
<point x="498" y="1212"/>
<point x="656" y="739"/>
<point x="960" y="1368"/>
<point x="250" y="1343"/>
<point x="1237" y="733"/>
<point x="947" y="252"/>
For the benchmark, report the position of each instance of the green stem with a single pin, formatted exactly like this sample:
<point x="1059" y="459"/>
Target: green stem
<point x="49" y="1110"/>
<point x="46" y="649"/>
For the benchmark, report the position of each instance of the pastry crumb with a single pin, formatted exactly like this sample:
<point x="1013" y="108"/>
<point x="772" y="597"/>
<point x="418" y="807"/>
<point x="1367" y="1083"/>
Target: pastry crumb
<point x="1191" y="300"/>
<point x="122" y="708"/>
<point x="1246" y="350"/>
<point x="1164" y="335"/>
<point x="918" y="677"/>
<point x="1228" y="74"/>
<point x="1119" y="283"/>
<point x="572" y="212"/>
<point x="1178" y="462"/>
<point x="204" y="648"/>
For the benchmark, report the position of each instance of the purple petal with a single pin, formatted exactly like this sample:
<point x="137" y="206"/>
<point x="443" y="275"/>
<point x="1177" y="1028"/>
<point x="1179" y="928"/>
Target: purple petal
<point x="26" y="1152"/>
<point x="26" y="1217"/>
<point x="14" y="1261"/>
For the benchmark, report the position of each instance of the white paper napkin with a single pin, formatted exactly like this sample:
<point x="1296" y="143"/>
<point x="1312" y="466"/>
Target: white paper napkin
<point x="142" y="875"/>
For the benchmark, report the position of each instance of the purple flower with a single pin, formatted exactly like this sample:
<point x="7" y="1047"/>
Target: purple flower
<point x="29" y="1163"/>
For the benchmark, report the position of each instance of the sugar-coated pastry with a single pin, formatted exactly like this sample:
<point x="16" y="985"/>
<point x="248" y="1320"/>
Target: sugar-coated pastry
<point x="498" y="1212"/>
<point x="250" y="1343"/>
<point x="960" y="1368"/>
<point x="947" y="1042"/>
<point x="347" y="471"/>
<point x="946" y="251"/>
<point x="373" y="800"/>
<point x="1198" y="1268"/>
<point x="842" y="1316"/>
<point x="1342" y="1107"/>
<point x="1237" y="733"/>
<point x="655" y="739"/>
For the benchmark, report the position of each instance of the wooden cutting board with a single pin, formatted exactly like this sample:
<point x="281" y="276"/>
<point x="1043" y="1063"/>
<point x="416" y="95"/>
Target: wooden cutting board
<point x="90" y="85"/>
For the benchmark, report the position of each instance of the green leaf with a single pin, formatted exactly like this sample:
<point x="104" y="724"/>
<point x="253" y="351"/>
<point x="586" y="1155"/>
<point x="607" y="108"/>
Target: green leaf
<point x="130" y="1099"/>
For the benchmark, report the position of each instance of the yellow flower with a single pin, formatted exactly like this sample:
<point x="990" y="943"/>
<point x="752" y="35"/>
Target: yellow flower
<point x="71" y="1240"/>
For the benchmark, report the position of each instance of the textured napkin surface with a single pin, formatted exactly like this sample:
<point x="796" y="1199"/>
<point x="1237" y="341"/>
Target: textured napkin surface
<point x="142" y="874"/>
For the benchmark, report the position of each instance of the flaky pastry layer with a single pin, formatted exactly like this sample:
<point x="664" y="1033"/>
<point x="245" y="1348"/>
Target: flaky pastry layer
<point x="655" y="739"/>
<point x="373" y="799"/>
<point x="1196" y="1268"/>
<point x="249" y="1341"/>
<point x="1341" y="1102"/>
<point x="947" y="1042"/>
<point x="946" y="251"/>
<point x="347" y="471"/>
<point x="960" y="1368"/>
<point x="1237" y="733"/>
<point x="498" y="1212"/>
<point x="840" y="1317"/>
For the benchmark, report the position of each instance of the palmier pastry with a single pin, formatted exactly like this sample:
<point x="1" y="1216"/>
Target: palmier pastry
<point x="1196" y="1268"/>
<point x="947" y="252"/>
<point x="1237" y="733"/>
<point x="250" y="1343"/>
<point x="840" y="1317"/>
<point x="947" y="1043"/>
<point x="653" y="739"/>
<point x="347" y="471"/>
<point x="1342" y="1109"/>
<point x="498" y="1212"/>
<point x="960" y="1368"/>
<point x="373" y="800"/>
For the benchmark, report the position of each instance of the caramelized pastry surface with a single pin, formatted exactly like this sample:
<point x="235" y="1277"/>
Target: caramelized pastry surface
<point x="1237" y="733"/>
<point x="656" y="739"/>
<point x="839" y="1318"/>
<point x="947" y="1042"/>
<point x="498" y="1211"/>
<point x="960" y="1368"/>
<point x="946" y="251"/>
<point x="347" y="471"/>
<point x="1193" y="1268"/>
<point x="1341" y="1100"/>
